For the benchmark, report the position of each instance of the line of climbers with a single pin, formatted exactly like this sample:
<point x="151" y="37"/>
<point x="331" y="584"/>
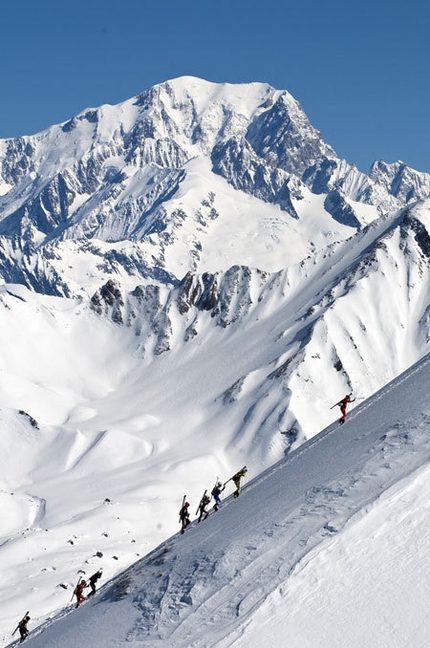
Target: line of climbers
<point x="184" y="520"/>
<point x="202" y="509"/>
<point x="80" y="598"/>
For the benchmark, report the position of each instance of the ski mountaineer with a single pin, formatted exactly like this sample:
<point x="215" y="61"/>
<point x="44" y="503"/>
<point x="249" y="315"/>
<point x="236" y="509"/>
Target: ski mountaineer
<point x="93" y="580"/>
<point x="216" y="492"/>
<point x="79" y="592"/>
<point x="184" y="516"/>
<point x="203" y="507"/>
<point x="236" y="480"/>
<point x="342" y="404"/>
<point x="22" y="627"/>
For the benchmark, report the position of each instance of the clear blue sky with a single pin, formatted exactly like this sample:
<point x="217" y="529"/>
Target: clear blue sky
<point x="360" y="70"/>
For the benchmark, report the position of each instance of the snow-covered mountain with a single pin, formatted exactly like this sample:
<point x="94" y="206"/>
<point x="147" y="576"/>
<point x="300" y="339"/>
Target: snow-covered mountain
<point x="191" y="280"/>
<point x="189" y="176"/>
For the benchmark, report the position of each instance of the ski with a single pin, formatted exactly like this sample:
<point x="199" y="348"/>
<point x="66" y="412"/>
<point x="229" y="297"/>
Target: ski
<point x="74" y="590"/>
<point x="20" y="622"/>
<point x="198" y="508"/>
<point x="182" y="506"/>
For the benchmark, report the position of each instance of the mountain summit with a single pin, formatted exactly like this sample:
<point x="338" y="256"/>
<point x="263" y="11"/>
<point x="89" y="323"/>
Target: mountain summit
<point x="188" y="176"/>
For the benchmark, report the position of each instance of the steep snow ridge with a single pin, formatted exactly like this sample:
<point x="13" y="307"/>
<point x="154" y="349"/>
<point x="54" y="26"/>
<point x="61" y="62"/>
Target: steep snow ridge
<point x="216" y="585"/>
<point x="372" y="323"/>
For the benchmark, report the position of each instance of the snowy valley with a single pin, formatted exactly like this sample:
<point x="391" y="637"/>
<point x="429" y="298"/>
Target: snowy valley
<point x="190" y="281"/>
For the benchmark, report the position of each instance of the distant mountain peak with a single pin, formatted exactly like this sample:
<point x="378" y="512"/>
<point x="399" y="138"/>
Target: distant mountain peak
<point x="141" y="172"/>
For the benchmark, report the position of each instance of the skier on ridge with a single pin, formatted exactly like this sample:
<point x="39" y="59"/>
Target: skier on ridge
<point x="202" y="509"/>
<point x="343" y="404"/>
<point x="216" y="492"/>
<point x="79" y="592"/>
<point x="236" y="480"/>
<point x="93" y="580"/>
<point x="22" y="627"/>
<point x="184" y="516"/>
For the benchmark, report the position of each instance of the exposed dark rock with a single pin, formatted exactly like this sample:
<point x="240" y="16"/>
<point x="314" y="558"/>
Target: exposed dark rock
<point x="336" y="205"/>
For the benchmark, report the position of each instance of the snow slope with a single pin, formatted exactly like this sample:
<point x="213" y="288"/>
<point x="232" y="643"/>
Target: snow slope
<point x="125" y="430"/>
<point x="133" y="414"/>
<point x="187" y="275"/>
<point x="327" y="546"/>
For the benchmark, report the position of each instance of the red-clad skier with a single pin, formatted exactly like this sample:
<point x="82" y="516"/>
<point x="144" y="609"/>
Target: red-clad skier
<point x="343" y="404"/>
<point x="79" y="592"/>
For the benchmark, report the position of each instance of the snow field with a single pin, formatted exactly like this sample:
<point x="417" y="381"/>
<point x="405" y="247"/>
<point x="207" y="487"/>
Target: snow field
<point x="326" y="544"/>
